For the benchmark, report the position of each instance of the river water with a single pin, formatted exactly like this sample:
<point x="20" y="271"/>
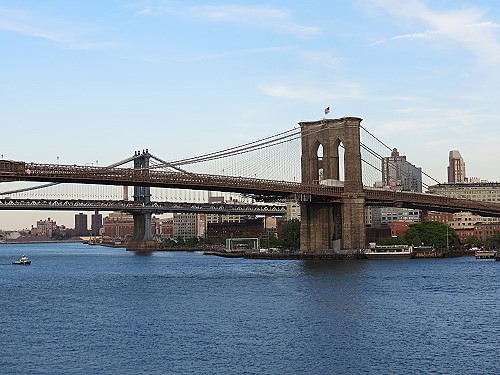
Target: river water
<point x="80" y="309"/>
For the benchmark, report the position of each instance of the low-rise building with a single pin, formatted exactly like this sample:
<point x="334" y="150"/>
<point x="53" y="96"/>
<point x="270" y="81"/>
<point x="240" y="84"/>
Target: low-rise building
<point x="384" y="215"/>
<point x="45" y="227"/>
<point x="478" y="190"/>
<point x="399" y="228"/>
<point x="118" y="225"/>
<point x="245" y="228"/>
<point x="485" y="230"/>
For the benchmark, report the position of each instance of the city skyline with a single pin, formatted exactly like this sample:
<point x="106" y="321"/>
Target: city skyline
<point x="92" y="82"/>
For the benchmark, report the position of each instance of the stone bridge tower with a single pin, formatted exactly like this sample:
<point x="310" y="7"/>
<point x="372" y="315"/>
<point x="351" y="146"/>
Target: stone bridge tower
<point x="332" y="225"/>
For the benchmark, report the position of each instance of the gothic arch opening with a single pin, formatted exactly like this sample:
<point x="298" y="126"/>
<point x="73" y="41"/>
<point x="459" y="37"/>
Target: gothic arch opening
<point x="333" y="161"/>
<point x="327" y="161"/>
<point x="319" y="155"/>
<point x="341" y="161"/>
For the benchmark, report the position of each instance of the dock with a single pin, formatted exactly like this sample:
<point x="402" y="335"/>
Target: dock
<point x="486" y="254"/>
<point x="225" y="254"/>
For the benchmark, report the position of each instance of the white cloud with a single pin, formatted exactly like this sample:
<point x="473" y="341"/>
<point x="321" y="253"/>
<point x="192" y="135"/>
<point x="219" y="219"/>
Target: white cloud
<point x="35" y="25"/>
<point x="267" y="17"/>
<point x="327" y="59"/>
<point x="465" y="26"/>
<point x="424" y="35"/>
<point x="377" y="42"/>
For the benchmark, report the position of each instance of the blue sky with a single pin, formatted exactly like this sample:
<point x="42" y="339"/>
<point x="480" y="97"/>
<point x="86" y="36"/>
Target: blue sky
<point x="97" y="80"/>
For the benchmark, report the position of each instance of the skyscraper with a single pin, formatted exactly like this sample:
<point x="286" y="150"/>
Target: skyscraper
<point x="96" y="223"/>
<point x="81" y="228"/>
<point x="400" y="174"/>
<point x="456" y="168"/>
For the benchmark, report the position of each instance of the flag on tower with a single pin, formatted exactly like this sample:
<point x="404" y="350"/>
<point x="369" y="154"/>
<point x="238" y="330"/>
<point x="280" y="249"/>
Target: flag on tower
<point x="327" y="110"/>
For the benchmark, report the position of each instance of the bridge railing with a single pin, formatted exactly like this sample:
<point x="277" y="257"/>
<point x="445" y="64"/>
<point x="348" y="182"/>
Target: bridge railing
<point x="132" y="176"/>
<point x="432" y="201"/>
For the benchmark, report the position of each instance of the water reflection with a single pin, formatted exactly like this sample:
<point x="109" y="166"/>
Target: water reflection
<point x="143" y="253"/>
<point x="339" y="267"/>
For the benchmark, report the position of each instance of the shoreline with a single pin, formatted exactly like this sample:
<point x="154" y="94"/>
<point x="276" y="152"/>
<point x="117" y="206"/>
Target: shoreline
<point x="39" y="241"/>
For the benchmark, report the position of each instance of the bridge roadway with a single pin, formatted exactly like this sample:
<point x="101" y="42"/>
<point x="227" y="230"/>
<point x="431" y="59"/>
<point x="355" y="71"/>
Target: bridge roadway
<point x="22" y="171"/>
<point x="130" y="206"/>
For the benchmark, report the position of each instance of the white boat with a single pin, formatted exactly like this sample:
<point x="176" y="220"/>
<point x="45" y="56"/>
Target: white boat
<point x="23" y="261"/>
<point x="390" y="252"/>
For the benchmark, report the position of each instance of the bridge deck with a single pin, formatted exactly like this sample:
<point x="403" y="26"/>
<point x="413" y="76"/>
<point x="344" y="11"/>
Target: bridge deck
<point x="21" y="171"/>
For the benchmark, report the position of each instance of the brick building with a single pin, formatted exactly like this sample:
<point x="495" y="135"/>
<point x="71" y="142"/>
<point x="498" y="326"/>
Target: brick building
<point x="245" y="228"/>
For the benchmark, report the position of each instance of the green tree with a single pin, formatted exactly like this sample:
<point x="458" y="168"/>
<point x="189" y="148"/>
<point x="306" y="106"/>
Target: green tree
<point x="432" y="233"/>
<point x="169" y="243"/>
<point x="290" y="234"/>
<point x="472" y="241"/>
<point x="191" y="242"/>
<point x="493" y="241"/>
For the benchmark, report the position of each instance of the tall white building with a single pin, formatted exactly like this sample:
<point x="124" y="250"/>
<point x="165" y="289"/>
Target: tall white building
<point x="397" y="174"/>
<point x="292" y="210"/>
<point x="188" y="225"/>
<point x="400" y="174"/>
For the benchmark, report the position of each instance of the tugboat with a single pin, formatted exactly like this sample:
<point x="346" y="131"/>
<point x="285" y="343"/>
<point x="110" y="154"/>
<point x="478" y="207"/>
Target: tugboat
<point x="23" y="261"/>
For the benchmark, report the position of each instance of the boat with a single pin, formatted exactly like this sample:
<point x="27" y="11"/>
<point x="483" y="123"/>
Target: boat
<point x="23" y="261"/>
<point x="390" y="252"/>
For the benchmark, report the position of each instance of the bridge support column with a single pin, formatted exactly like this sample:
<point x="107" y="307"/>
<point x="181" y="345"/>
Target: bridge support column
<point x="143" y="237"/>
<point x="320" y="227"/>
<point x="324" y="225"/>
<point x="354" y="228"/>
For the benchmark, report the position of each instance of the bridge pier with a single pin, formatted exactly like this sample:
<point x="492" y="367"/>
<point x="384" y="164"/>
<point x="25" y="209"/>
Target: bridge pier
<point x="327" y="226"/>
<point x="142" y="239"/>
<point x="321" y="227"/>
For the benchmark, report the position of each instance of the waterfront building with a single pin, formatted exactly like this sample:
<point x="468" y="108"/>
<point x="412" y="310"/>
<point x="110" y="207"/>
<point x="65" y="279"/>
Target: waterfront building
<point x="96" y="223"/>
<point x="119" y="225"/>
<point x="45" y="227"/>
<point x="224" y="218"/>
<point x="464" y="234"/>
<point x="478" y="191"/>
<point x="484" y="231"/>
<point x="456" y="168"/>
<point x="376" y="234"/>
<point x="188" y="225"/>
<point x="273" y="225"/>
<point x="465" y="222"/>
<point x="292" y="210"/>
<point x="81" y="228"/>
<point x="384" y="215"/>
<point x="400" y="174"/>
<point x="442" y="217"/>
<point x="398" y="228"/>
<point x="368" y="216"/>
<point x="457" y="220"/>
<point x="248" y="228"/>
<point x="167" y="227"/>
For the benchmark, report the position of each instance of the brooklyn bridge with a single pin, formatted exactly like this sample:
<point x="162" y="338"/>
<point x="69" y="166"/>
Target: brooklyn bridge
<point x="329" y="166"/>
